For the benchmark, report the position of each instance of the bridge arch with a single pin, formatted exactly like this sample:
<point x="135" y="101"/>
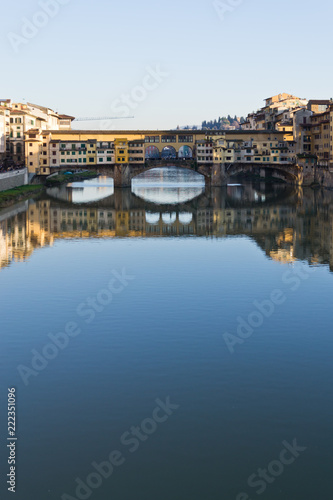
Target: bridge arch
<point x="179" y="164"/>
<point x="185" y="152"/>
<point x="286" y="173"/>
<point x="152" y="153"/>
<point x="152" y="218"/>
<point x="169" y="218"/>
<point x="168" y="153"/>
<point x="185" y="218"/>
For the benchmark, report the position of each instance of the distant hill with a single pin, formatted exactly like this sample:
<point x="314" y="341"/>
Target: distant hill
<point x="222" y="123"/>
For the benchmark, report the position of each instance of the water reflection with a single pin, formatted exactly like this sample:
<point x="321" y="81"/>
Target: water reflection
<point x="84" y="192"/>
<point x="168" y="185"/>
<point x="287" y="224"/>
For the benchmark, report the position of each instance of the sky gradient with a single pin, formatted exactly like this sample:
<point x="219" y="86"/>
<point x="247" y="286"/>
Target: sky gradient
<point x="99" y="58"/>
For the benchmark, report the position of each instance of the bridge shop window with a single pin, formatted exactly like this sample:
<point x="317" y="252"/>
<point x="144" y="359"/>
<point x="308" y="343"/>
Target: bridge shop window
<point x="185" y="152"/>
<point x="152" y="138"/>
<point x="169" y="138"/>
<point x="152" y="153"/>
<point x="168" y="152"/>
<point x="185" y="138"/>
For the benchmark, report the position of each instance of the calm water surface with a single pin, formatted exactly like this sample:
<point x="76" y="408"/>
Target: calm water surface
<point x="195" y="265"/>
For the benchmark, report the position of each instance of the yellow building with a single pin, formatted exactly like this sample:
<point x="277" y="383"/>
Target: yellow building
<point x="121" y="148"/>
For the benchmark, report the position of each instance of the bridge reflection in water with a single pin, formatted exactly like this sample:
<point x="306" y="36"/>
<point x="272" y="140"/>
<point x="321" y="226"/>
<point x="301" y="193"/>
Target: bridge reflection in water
<point x="287" y="224"/>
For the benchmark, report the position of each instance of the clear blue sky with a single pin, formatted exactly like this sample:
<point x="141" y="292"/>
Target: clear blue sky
<point x="90" y="54"/>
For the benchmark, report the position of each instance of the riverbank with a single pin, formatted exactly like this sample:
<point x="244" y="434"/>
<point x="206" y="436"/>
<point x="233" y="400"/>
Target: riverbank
<point x="21" y="193"/>
<point x="14" y="195"/>
<point x="60" y="179"/>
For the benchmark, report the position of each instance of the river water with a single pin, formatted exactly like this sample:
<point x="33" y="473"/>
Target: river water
<point x="169" y="342"/>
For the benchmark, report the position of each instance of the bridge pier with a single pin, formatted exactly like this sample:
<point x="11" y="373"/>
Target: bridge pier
<point x="218" y="177"/>
<point x="122" y="176"/>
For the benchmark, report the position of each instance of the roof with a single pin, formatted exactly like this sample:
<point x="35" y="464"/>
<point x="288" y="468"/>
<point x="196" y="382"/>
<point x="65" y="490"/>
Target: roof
<point x="319" y="101"/>
<point x="125" y="133"/>
<point x="42" y="108"/>
<point x="66" y="117"/>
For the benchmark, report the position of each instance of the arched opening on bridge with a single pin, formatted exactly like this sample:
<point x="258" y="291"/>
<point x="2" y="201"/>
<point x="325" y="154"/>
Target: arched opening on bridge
<point x="168" y="185"/>
<point x="152" y="218"/>
<point x="168" y="153"/>
<point x="152" y="153"/>
<point x="185" y="152"/>
<point x="185" y="218"/>
<point x="169" y="218"/>
<point x="238" y="173"/>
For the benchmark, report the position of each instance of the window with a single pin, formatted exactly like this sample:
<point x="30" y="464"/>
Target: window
<point x="168" y="138"/>
<point x="100" y="159"/>
<point x="108" y="158"/>
<point x="62" y="152"/>
<point x="91" y="160"/>
<point x="152" y="138"/>
<point x="54" y="161"/>
<point x="62" y="161"/>
<point x="185" y="138"/>
<point x="18" y="135"/>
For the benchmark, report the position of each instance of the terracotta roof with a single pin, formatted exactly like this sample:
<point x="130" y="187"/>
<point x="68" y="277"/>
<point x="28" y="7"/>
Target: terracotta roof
<point x="65" y="117"/>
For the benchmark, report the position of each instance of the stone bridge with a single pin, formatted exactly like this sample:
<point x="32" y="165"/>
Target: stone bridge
<point x="215" y="174"/>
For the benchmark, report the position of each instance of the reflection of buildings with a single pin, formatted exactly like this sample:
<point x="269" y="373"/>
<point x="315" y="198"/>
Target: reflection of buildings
<point x="285" y="232"/>
<point x="15" y="243"/>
